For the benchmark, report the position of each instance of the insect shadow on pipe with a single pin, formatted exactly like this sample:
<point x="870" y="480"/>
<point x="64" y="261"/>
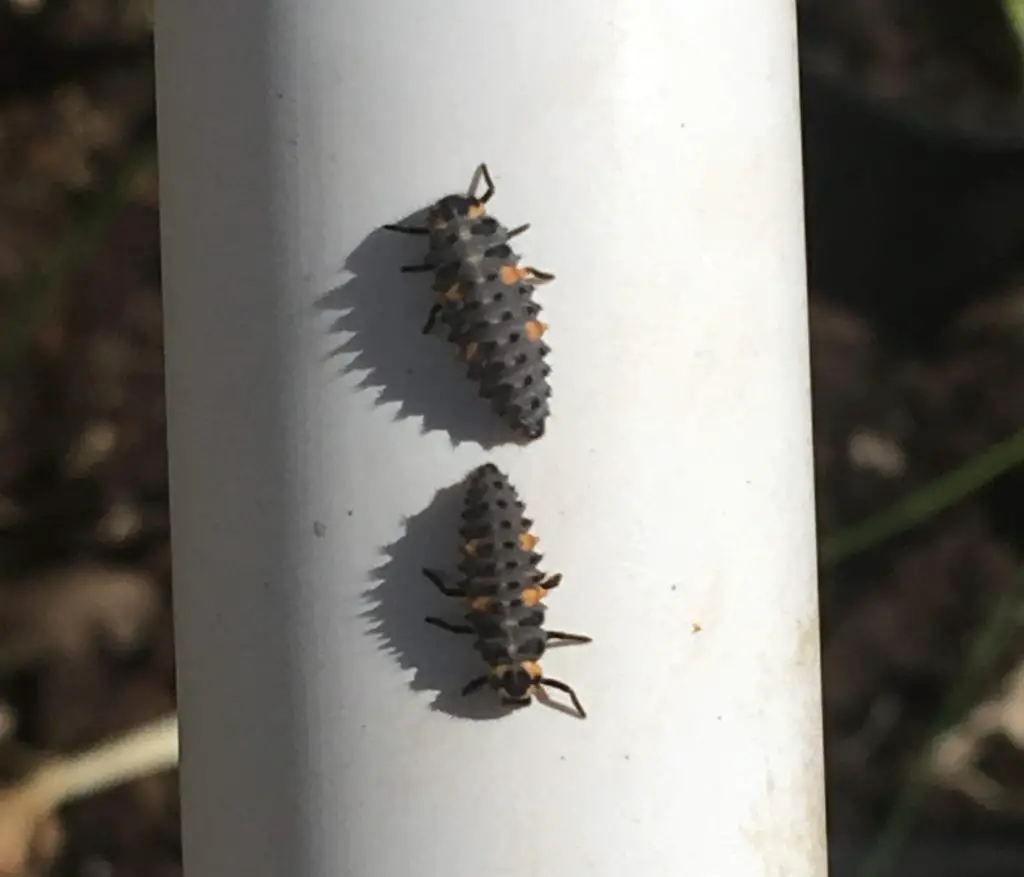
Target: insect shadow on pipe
<point x="381" y="312"/>
<point x="402" y="598"/>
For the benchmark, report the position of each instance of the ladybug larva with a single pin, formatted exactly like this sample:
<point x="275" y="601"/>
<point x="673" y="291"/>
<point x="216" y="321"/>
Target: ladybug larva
<point x="503" y="591"/>
<point x="485" y="298"/>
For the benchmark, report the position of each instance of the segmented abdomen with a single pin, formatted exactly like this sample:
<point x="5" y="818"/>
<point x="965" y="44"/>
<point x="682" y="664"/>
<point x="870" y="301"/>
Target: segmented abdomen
<point x="498" y="560"/>
<point x="492" y="317"/>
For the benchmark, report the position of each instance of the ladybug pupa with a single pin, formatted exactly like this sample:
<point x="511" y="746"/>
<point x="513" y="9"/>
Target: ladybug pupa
<point x="485" y="299"/>
<point x="503" y="588"/>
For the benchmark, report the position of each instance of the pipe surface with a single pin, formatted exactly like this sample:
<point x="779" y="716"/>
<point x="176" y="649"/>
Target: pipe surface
<point x="317" y="439"/>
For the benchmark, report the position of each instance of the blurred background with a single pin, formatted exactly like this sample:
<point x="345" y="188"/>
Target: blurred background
<point x="914" y="156"/>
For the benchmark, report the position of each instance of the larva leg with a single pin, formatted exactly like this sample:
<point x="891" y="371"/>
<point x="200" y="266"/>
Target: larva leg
<point x="561" y="686"/>
<point x="552" y="582"/>
<point x="438" y="580"/>
<point x="568" y="637"/>
<point x="474" y="684"/>
<point x="482" y="173"/>
<point x="511" y="275"/>
<point x="447" y="625"/>
<point x="532" y="275"/>
<point x="428" y="326"/>
<point x="408" y="229"/>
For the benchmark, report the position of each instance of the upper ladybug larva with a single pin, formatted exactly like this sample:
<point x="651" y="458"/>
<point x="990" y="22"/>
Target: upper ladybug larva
<point x="485" y="298"/>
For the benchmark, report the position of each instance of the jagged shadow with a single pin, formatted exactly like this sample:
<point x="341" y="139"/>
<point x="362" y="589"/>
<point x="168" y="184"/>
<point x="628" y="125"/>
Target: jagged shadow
<point x="382" y="311"/>
<point x="402" y="597"/>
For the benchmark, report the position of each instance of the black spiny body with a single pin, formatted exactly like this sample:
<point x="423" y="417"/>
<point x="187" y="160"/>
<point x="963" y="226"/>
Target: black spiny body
<point x="503" y="589"/>
<point x="486" y="301"/>
<point x="498" y="560"/>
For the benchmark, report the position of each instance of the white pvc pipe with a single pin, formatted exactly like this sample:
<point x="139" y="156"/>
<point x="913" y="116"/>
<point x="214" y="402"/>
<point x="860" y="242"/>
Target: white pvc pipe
<point x="654" y="146"/>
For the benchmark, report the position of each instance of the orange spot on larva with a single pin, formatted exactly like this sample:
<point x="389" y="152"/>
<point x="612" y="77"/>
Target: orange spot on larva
<point x="527" y="541"/>
<point x="510" y="274"/>
<point x="533" y="595"/>
<point x="470" y="546"/>
<point x="469" y="351"/>
<point x="480" y="604"/>
<point x="453" y="294"/>
<point x="534" y="329"/>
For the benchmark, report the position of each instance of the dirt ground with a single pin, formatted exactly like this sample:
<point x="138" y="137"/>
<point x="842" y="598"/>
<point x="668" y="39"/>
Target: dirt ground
<point x="86" y="647"/>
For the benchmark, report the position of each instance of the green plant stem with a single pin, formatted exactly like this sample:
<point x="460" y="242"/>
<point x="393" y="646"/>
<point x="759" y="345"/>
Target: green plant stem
<point x="1015" y="13"/>
<point x="919" y="506"/>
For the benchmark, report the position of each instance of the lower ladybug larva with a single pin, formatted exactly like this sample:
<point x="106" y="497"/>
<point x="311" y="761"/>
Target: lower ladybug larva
<point x="503" y="590"/>
<point x="485" y="298"/>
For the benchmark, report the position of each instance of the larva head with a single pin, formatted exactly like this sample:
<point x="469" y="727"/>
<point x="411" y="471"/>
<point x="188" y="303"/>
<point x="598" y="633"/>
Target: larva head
<point x="453" y="208"/>
<point x="516" y="682"/>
